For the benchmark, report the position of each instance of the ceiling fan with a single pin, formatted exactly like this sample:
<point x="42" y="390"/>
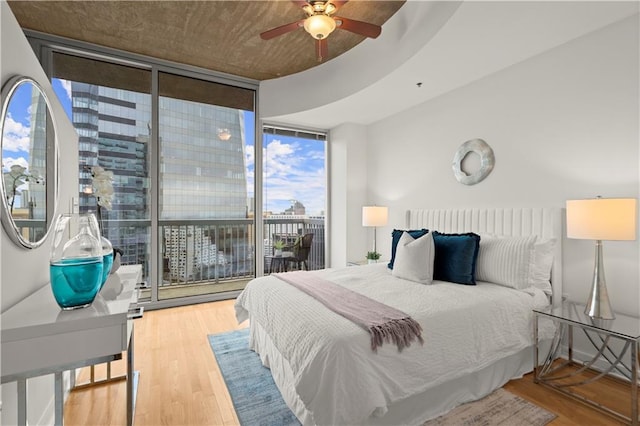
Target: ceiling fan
<point x="320" y="23"/>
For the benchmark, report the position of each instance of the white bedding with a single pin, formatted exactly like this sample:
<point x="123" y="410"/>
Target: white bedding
<point x="337" y="376"/>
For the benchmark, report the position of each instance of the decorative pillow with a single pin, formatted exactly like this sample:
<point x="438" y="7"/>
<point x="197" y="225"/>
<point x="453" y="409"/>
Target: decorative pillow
<point x="540" y="274"/>
<point x="395" y="237"/>
<point x="506" y="260"/>
<point x="456" y="256"/>
<point x="414" y="258"/>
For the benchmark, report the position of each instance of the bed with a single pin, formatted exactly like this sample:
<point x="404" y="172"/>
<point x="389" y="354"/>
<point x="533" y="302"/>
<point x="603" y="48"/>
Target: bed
<point x="476" y="337"/>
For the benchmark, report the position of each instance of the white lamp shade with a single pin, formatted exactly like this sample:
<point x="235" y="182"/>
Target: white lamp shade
<point x="319" y="26"/>
<point x="602" y="219"/>
<point x="374" y="215"/>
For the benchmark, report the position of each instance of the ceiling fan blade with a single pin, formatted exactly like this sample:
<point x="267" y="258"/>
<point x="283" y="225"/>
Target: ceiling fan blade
<point x="363" y="28"/>
<point x="322" y="49"/>
<point x="283" y="29"/>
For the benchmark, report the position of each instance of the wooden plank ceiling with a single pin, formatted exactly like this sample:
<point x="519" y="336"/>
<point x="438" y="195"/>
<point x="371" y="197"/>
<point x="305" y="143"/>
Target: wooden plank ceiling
<point x="217" y="35"/>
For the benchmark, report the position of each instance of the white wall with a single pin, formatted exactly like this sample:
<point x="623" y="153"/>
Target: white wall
<point x="404" y="34"/>
<point x="24" y="271"/>
<point x="348" y="194"/>
<point x="563" y="125"/>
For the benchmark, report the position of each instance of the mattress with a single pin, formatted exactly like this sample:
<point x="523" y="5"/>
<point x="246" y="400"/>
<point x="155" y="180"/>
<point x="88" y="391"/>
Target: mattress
<point x="333" y="375"/>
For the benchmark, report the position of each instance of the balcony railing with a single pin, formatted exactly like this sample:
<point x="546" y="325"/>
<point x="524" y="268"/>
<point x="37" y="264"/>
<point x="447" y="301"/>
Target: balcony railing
<point x="213" y="255"/>
<point x="198" y="251"/>
<point x="289" y="230"/>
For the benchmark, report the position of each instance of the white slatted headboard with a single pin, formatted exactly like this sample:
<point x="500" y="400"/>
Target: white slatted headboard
<point x="543" y="222"/>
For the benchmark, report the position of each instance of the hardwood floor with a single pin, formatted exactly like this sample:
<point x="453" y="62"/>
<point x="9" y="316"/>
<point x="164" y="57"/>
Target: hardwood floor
<point x="180" y="383"/>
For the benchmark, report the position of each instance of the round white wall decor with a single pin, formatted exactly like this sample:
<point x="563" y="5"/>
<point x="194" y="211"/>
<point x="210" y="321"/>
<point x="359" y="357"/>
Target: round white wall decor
<point x="487" y="160"/>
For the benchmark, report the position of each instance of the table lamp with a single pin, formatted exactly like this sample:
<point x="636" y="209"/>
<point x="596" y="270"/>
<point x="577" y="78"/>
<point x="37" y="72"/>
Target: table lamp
<point x="601" y="219"/>
<point x="374" y="216"/>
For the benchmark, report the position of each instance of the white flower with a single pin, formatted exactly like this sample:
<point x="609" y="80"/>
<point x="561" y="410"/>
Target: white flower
<point x="102" y="186"/>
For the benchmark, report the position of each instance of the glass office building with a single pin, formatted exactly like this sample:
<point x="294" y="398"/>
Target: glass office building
<point x="202" y="161"/>
<point x="201" y="168"/>
<point x="114" y="133"/>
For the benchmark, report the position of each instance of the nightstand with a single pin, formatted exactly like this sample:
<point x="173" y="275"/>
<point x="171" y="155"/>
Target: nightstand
<point x="616" y="343"/>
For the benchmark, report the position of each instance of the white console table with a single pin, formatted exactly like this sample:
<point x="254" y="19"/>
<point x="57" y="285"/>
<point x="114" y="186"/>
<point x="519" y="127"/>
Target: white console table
<point x="39" y="338"/>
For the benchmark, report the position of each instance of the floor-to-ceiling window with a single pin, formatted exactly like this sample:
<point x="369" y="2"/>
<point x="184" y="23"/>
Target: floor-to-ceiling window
<point x="110" y="107"/>
<point x="206" y="230"/>
<point x="294" y="198"/>
<point x="176" y="141"/>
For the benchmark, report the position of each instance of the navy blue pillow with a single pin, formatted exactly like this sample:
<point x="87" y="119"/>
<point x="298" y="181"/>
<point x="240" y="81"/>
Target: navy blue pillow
<point x="456" y="256"/>
<point x="395" y="238"/>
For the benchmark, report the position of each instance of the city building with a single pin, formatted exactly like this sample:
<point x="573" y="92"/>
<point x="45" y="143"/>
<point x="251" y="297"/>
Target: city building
<point x="297" y="208"/>
<point x="202" y="178"/>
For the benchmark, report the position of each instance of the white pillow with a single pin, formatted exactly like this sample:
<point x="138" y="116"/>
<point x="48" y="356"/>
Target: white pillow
<point x="506" y="260"/>
<point x="540" y="274"/>
<point x="414" y="258"/>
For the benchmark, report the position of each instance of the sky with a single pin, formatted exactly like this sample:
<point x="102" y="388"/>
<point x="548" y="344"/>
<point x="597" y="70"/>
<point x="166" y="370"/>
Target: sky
<point x="63" y="90"/>
<point x="16" y="138"/>
<point x="294" y="170"/>
<point x="16" y="129"/>
<point x="294" y="167"/>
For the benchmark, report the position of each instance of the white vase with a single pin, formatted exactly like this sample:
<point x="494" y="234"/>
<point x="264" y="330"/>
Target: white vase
<point x="370" y="261"/>
<point x="278" y="252"/>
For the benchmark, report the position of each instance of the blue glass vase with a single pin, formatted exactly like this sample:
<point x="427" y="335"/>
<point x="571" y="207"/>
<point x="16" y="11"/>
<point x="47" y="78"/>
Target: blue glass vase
<point x="76" y="262"/>
<point x="107" y="260"/>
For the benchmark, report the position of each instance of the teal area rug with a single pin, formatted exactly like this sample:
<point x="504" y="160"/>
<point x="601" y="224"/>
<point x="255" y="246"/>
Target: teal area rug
<point x="255" y="396"/>
<point x="257" y="400"/>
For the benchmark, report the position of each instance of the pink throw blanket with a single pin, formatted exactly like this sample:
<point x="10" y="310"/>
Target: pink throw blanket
<point x="384" y="323"/>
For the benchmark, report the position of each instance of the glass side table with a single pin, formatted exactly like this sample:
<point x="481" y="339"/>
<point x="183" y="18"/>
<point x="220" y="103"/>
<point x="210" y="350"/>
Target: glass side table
<point x="616" y="342"/>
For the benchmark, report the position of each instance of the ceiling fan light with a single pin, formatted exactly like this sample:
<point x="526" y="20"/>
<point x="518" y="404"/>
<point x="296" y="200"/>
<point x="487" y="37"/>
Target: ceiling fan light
<point x="224" y="134"/>
<point x="319" y="26"/>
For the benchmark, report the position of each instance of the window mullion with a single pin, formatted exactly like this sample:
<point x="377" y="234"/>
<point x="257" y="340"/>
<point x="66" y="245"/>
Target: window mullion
<point x="154" y="177"/>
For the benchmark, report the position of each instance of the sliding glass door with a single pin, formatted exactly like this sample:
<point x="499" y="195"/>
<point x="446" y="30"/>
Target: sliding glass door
<point x="110" y="107"/>
<point x="206" y="231"/>
<point x="178" y="145"/>
<point x="294" y="198"/>
<point x="181" y="145"/>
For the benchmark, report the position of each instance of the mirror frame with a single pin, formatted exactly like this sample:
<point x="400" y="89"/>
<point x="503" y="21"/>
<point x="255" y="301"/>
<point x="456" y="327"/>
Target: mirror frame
<point x="51" y="172"/>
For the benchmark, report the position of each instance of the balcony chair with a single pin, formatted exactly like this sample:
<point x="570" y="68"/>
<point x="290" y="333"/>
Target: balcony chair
<point x="301" y="249"/>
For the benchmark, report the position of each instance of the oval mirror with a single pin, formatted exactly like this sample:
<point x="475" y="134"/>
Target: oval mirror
<point x="29" y="162"/>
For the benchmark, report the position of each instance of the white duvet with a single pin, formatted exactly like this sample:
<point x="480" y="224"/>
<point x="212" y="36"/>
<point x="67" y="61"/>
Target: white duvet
<point x="337" y="376"/>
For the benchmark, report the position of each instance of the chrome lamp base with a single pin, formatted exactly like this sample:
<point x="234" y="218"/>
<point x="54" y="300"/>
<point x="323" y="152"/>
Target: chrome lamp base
<point x="598" y="305"/>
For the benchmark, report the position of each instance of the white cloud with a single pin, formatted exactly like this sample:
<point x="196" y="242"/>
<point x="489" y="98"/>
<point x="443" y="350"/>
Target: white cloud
<point x="66" y="85"/>
<point x="289" y="177"/>
<point x="16" y="136"/>
<point x="249" y="156"/>
<point x="250" y="160"/>
<point x="290" y="173"/>
<point x="278" y="159"/>
<point x="7" y="162"/>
